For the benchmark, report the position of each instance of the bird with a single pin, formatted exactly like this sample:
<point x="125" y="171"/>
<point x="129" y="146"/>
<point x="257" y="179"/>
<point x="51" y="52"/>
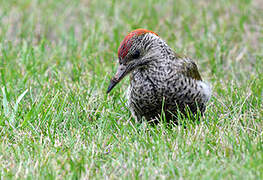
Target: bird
<point x="161" y="81"/>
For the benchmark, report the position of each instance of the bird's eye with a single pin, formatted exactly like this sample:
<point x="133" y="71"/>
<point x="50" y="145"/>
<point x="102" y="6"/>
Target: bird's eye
<point x="136" y="54"/>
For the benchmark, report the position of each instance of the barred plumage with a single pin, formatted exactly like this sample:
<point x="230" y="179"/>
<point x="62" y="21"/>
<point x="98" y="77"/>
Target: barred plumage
<point x="160" y="79"/>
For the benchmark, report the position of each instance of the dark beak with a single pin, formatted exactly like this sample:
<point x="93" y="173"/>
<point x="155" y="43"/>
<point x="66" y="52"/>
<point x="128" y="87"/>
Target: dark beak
<point x="120" y="74"/>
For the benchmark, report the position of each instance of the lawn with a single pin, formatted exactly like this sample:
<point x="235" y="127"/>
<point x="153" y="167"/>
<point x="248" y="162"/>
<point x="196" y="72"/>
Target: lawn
<point x="57" y="122"/>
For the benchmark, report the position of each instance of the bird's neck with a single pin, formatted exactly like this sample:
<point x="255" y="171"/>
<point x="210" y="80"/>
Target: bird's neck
<point x="158" y="55"/>
<point x="157" y="52"/>
<point x="154" y="43"/>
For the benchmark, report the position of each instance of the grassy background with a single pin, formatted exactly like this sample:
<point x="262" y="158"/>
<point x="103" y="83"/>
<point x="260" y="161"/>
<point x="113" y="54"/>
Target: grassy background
<point x="56" y="59"/>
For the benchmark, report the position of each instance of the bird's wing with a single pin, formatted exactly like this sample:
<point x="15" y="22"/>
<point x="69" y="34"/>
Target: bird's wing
<point x="191" y="69"/>
<point x="188" y="67"/>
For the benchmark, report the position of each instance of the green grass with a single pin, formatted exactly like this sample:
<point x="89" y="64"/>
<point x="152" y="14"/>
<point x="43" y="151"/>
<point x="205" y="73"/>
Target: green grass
<point x="56" y="121"/>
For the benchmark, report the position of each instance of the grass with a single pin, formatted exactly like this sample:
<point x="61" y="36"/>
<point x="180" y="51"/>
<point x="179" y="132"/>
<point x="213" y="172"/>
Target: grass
<point x="56" y="121"/>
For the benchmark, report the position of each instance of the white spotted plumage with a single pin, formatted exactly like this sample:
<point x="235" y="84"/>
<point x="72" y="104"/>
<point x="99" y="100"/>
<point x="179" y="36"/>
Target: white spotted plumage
<point x="160" y="79"/>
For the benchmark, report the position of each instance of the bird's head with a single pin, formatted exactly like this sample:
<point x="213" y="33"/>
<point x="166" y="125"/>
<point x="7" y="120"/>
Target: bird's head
<point x="132" y="53"/>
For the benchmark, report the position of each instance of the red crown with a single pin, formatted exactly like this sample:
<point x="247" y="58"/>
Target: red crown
<point x="127" y="42"/>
